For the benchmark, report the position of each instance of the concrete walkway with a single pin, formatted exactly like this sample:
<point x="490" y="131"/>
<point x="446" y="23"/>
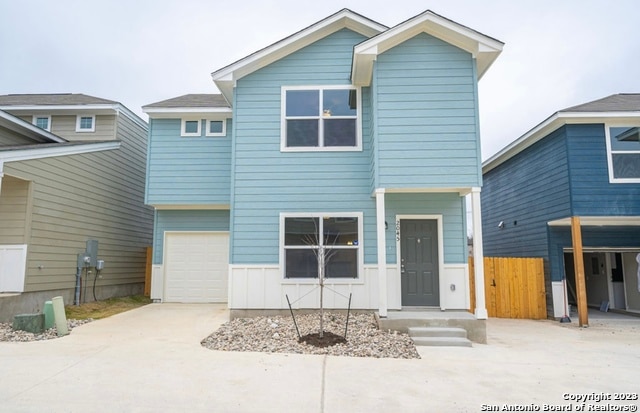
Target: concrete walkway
<point x="150" y="360"/>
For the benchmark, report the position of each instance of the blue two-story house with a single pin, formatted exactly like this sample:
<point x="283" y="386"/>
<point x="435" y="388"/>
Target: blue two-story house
<point x="582" y="162"/>
<point x="346" y="137"/>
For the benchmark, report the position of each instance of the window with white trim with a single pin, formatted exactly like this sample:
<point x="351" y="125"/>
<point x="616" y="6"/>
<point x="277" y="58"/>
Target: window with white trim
<point x="216" y="127"/>
<point x="320" y="118"/>
<point x="85" y="123"/>
<point x="42" y="121"/>
<point x="306" y="236"/>
<point x="191" y="127"/>
<point x="623" y="147"/>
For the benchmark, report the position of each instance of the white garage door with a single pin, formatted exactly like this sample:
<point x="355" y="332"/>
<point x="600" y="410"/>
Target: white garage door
<point x="196" y="267"/>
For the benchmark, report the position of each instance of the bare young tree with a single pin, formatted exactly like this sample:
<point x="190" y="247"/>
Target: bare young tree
<point x="323" y="254"/>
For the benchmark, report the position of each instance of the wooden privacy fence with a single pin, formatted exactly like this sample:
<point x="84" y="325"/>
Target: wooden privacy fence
<point x="513" y="287"/>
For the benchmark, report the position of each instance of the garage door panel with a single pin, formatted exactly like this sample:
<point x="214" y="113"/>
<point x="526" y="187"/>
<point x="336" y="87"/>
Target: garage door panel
<point x="196" y="267"/>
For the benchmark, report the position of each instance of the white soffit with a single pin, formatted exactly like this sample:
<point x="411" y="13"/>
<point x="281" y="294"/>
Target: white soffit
<point x="485" y="49"/>
<point x="226" y="77"/>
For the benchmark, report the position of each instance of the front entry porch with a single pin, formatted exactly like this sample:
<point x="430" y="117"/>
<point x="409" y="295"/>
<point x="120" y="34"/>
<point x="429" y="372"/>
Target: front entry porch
<point x="402" y="320"/>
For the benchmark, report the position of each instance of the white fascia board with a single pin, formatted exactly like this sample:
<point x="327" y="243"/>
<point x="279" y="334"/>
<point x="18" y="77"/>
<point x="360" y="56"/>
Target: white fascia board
<point x="187" y="207"/>
<point x="599" y="221"/>
<point x="57" y="150"/>
<point x="30" y="127"/>
<point x="168" y="113"/>
<point x="551" y="124"/>
<point x="226" y="77"/>
<point x="483" y="48"/>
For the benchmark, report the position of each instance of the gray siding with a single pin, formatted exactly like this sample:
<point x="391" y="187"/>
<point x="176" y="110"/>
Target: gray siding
<point x="89" y="196"/>
<point x="426" y="116"/>
<point x="65" y="126"/>
<point x="10" y="138"/>
<point x="187" y="170"/>
<point x="14" y="204"/>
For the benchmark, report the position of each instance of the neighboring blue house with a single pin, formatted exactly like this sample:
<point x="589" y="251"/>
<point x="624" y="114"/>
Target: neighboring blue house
<point x="582" y="161"/>
<point x="363" y="134"/>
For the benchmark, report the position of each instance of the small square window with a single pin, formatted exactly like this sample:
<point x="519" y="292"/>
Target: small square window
<point x="85" y="123"/>
<point x="216" y="128"/>
<point x="43" y="122"/>
<point x="191" y="127"/>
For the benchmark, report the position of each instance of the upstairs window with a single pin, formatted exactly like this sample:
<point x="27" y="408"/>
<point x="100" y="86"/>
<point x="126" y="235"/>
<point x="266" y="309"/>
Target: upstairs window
<point x="305" y="236"/>
<point x="43" y="122"/>
<point x="320" y="118"/>
<point x="191" y="127"/>
<point x="216" y="128"/>
<point x="85" y="123"/>
<point x="623" y="146"/>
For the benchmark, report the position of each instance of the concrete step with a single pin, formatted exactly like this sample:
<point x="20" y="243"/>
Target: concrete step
<point x="439" y="336"/>
<point x="437" y="332"/>
<point x="442" y="341"/>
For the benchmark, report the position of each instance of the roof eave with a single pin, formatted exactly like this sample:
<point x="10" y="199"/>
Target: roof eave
<point x="226" y="77"/>
<point x="165" y="113"/>
<point x="484" y="48"/>
<point x="21" y="126"/>
<point x="63" y="149"/>
<point x="552" y="123"/>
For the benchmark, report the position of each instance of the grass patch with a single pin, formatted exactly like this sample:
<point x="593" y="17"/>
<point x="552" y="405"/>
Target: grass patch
<point x="106" y="308"/>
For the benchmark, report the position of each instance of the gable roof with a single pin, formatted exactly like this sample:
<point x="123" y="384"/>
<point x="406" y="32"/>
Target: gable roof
<point x="484" y="48"/>
<point x="226" y="77"/>
<point x="622" y="107"/>
<point x="52" y="99"/>
<point x="191" y="104"/>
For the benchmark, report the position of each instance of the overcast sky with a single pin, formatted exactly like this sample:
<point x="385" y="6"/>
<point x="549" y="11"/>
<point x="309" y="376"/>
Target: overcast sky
<point x="557" y="53"/>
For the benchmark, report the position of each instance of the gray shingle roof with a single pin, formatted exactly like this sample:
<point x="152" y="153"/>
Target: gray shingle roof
<point x="622" y="102"/>
<point x="192" y="101"/>
<point x="52" y="99"/>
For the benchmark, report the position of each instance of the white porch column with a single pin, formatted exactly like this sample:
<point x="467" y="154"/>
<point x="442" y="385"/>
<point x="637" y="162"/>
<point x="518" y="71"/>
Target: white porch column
<point x="382" y="253"/>
<point x="478" y="255"/>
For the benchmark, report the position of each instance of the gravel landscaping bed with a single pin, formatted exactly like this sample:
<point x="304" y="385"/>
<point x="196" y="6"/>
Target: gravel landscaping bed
<point x="277" y="334"/>
<point x="7" y="333"/>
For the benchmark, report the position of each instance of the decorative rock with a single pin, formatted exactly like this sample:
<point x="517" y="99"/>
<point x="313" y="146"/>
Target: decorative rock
<point x="363" y="337"/>
<point x="33" y="323"/>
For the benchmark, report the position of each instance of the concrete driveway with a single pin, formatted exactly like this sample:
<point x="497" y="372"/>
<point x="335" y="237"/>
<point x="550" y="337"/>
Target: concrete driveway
<point x="150" y="360"/>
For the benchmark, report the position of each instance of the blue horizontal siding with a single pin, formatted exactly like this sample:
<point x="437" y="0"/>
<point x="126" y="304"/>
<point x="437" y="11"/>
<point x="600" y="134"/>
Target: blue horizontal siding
<point x="591" y="192"/>
<point x="450" y="205"/>
<point x="266" y="181"/>
<point x="525" y="193"/>
<point x="187" y="170"/>
<point x="426" y="116"/>
<point x="185" y="220"/>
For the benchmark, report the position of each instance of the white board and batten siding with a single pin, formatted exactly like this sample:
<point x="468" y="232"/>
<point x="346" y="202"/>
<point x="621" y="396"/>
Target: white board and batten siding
<point x="262" y="287"/>
<point x="195" y="268"/>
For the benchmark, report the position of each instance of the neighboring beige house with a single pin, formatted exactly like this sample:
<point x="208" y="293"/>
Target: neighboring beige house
<point x="72" y="170"/>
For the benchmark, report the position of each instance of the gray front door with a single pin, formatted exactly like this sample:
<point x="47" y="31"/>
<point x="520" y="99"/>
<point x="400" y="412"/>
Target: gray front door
<point x="419" y="262"/>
